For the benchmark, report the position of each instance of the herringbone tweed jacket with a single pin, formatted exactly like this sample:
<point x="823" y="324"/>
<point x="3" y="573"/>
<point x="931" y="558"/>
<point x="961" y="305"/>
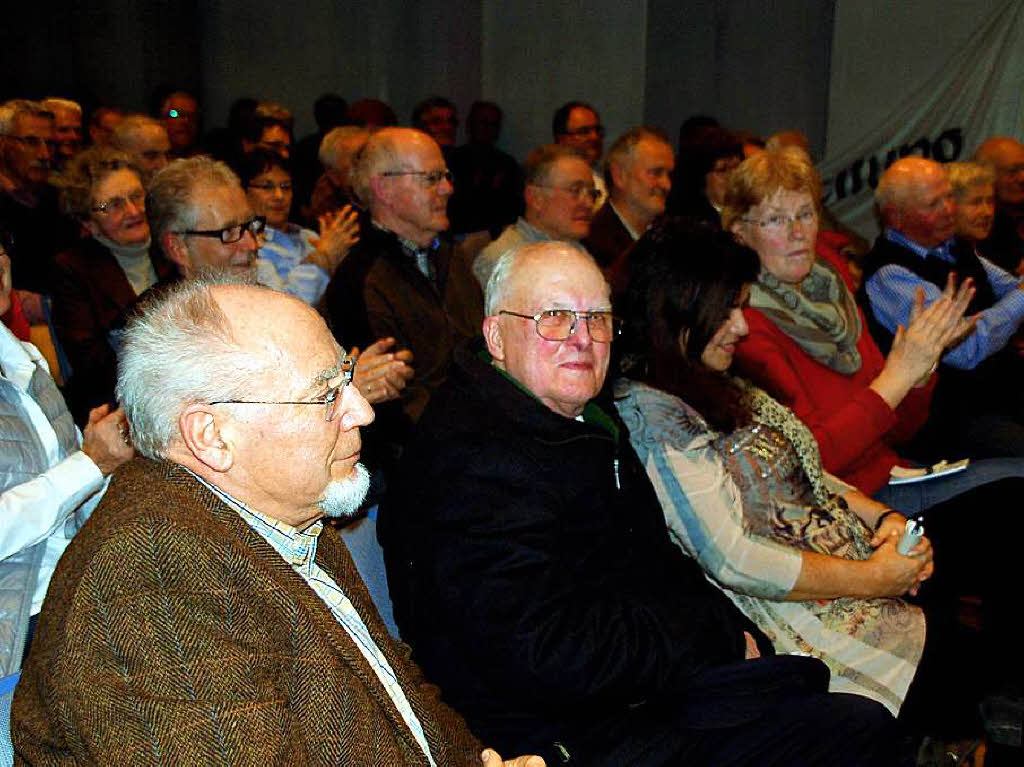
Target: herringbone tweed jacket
<point x="173" y="634"/>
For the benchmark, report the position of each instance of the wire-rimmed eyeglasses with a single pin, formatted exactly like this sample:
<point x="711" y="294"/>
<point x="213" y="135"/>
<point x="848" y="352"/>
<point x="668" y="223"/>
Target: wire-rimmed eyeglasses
<point x="330" y="400"/>
<point x="428" y="177"/>
<point x="559" y="324"/>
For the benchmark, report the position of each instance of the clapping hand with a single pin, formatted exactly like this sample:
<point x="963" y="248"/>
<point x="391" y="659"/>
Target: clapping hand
<point x="339" y="231"/>
<point x="917" y="348"/>
<point x="381" y="375"/>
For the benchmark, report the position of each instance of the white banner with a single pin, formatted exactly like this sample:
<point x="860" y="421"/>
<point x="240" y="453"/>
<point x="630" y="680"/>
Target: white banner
<point x="976" y="95"/>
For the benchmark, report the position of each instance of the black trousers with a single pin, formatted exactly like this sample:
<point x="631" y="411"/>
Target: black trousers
<point x="770" y="711"/>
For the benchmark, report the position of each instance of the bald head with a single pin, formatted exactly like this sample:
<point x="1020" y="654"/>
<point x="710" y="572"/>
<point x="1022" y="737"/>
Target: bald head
<point x="1006" y="156"/>
<point x="401" y="176"/>
<point x="914" y="197"/>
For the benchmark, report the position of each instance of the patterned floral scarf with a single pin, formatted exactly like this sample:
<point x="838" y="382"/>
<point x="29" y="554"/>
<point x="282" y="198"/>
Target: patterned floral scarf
<point x="779" y="417"/>
<point x="819" y="313"/>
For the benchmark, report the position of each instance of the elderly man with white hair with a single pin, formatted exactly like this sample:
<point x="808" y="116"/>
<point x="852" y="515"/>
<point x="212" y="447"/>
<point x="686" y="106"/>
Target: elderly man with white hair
<point x="532" y="573"/>
<point x="338" y="151"/>
<point x="207" y="613"/>
<point x="977" y="408"/>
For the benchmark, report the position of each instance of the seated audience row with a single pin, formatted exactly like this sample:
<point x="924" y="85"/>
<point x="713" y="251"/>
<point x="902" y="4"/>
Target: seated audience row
<point x="543" y="569"/>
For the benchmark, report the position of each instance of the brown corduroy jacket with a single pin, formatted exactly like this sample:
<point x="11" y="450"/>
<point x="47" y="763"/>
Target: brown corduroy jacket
<point x="174" y="634"/>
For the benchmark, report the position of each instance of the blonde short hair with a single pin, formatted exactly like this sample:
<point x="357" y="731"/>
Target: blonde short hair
<point x="964" y="175"/>
<point x="760" y="176"/>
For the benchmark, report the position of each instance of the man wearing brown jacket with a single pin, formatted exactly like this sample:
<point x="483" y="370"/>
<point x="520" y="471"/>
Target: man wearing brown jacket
<point x="205" y="613"/>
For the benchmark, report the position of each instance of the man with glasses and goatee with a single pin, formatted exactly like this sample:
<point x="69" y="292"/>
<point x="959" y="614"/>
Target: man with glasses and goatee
<point x="206" y="613"/>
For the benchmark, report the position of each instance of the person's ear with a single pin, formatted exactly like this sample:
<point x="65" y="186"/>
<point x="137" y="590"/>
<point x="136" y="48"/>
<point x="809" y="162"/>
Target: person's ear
<point x="492" y="335"/>
<point x="533" y="198"/>
<point x="203" y="436"/>
<point x="174" y="248"/>
<point x="618" y="172"/>
<point x="380" y="189"/>
<point x="91" y="226"/>
<point x="892" y="216"/>
<point x="737" y="232"/>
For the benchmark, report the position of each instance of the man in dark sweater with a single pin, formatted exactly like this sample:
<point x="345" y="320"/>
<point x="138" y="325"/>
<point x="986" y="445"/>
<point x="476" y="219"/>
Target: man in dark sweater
<point x="31" y="229"/>
<point x="527" y="554"/>
<point x="405" y="279"/>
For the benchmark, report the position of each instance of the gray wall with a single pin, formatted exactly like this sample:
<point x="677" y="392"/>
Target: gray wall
<point x="637" y="60"/>
<point x="760" y="65"/>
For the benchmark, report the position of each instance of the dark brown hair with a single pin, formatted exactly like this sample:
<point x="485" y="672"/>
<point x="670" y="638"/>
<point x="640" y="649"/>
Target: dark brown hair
<point x="685" y="278"/>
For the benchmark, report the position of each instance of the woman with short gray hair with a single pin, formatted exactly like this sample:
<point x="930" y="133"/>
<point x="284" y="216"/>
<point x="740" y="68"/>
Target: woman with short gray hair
<point x="101" y="277"/>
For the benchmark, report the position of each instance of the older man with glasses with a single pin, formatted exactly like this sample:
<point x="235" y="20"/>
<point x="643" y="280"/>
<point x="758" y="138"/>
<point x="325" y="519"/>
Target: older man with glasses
<point x="31" y="228"/>
<point x="202" y="220"/>
<point x="531" y="571"/>
<point x="207" y="613"/>
<point x="577" y="124"/>
<point x="559" y="198"/>
<point x="405" y="278"/>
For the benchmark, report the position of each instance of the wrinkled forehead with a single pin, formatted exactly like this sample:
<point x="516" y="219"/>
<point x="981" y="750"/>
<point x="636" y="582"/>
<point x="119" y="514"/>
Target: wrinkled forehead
<point x="928" y="185"/>
<point x="220" y="206"/>
<point x="26" y="124"/>
<point x="559" y="278"/>
<point x="420" y="152"/>
<point x="284" y="334"/>
<point x="581" y="117"/>
<point x="784" y="200"/>
<point x="567" y="170"/>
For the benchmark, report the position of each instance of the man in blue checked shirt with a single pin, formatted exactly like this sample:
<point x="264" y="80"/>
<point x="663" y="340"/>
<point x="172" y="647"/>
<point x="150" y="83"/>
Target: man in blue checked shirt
<point x="977" y="409"/>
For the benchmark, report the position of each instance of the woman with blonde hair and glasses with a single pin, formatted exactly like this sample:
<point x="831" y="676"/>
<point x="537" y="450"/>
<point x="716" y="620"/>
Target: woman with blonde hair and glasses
<point x="810" y="348"/>
<point x="815" y="564"/>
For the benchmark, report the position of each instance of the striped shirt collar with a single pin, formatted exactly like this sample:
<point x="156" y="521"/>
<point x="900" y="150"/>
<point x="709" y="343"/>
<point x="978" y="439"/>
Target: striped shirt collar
<point x="897" y="237"/>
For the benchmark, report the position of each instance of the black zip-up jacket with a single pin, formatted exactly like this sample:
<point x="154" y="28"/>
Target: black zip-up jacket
<point x="531" y="570"/>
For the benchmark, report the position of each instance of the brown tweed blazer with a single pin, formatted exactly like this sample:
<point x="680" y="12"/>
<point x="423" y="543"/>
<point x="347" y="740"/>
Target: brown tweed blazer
<point x="173" y="634"/>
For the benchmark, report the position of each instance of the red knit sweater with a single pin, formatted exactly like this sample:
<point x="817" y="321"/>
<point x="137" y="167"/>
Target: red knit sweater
<point x="856" y="430"/>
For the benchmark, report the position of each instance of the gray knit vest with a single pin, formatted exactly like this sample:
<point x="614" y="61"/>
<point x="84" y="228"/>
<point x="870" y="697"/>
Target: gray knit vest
<point x="23" y="457"/>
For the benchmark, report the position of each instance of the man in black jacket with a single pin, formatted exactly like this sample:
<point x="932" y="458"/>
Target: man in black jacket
<point x="527" y="554"/>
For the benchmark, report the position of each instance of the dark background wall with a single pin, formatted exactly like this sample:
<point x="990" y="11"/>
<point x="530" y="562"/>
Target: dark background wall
<point x="757" y="64"/>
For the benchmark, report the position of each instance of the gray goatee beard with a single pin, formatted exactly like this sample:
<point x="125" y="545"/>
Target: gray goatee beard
<point x="343" y="497"/>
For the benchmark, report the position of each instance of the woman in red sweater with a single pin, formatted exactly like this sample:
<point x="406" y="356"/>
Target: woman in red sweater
<point x="810" y="348"/>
